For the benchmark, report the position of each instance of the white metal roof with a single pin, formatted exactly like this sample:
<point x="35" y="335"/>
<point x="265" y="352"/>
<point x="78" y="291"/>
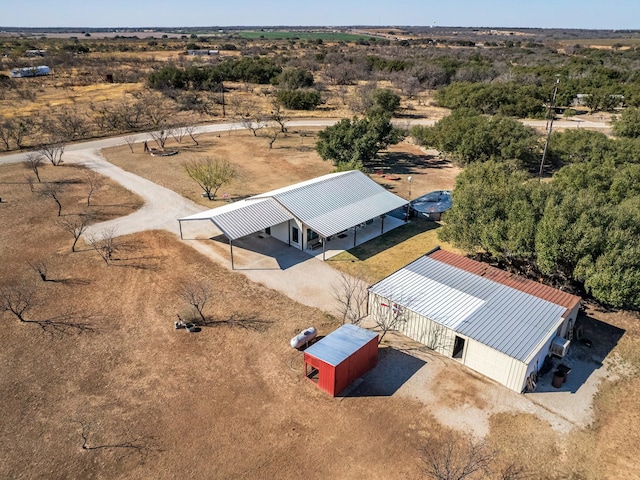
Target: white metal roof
<point x="334" y="202"/>
<point x="506" y="319"/>
<point x="328" y="205"/>
<point x="242" y="218"/>
<point x="340" y="344"/>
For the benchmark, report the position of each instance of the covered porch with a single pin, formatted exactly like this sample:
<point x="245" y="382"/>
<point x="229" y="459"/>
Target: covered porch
<point x="325" y="248"/>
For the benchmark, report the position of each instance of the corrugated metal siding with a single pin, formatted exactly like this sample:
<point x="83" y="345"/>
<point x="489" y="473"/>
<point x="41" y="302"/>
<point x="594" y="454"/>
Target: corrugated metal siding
<point x="251" y="217"/>
<point x="340" y="344"/>
<point x="435" y="336"/>
<point x="326" y="374"/>
<point x="502" y="317"/>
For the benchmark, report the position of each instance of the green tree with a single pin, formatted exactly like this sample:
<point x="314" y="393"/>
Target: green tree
<point x="468" y="137"/>
<point x="628" y="124"/>
<point x="355" y="142"/>
<point x="294" y="78"/>
<point x="495" y="209"/>
<point x="210" y="174"/>
<point x="384" y="101"/>
<point x="299" y="99"/>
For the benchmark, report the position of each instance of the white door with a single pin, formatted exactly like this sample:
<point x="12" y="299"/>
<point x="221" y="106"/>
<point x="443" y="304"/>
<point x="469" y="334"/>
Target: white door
<point x="487" y="361"/>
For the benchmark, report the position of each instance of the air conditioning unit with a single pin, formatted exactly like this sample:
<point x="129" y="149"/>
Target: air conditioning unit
<point x="559" y="346"/>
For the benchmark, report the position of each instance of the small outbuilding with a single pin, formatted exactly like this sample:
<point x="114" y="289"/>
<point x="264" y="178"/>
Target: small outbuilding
<point x="340" y="358"/>
<point x="496" y="323"/>
<point x="29" y="71"/>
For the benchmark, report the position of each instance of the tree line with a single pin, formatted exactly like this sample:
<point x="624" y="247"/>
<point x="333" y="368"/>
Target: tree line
<point x="582" y="228"/>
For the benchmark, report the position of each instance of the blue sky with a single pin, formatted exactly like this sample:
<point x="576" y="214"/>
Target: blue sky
<point x="618" y="14"/>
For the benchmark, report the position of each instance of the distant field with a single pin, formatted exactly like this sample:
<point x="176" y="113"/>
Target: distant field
<point x="603" y="42"/>
<point x="288" y="35"/>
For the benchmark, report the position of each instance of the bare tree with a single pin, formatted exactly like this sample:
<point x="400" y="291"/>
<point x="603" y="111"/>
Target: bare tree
<point x="252" y="123"/>
<point x="178" y="133"/>
<point x="210" y="174"/>
<point x="453" y="458"/>
<point x="271" y="133"/>
<point x="41" y="267"/>
<point x="131" y="140"/>
<point x="17" y="298"/>
<point x="196" y="293"/>
<point x="279" y="116"/>
<point x="70" y="124"/>
<point x="192" y="132"/>
<point x="13" y="131"/>
<point x="105" y="244"/>
<point x="94" y="182"/>
<point x="53" y="152"/>
<point x="33" y="161"/>
<point x="390" y="316"/>
<point x="52" y="191"/>
<point x="76" y="225"/>
<point x="160" y="137"/>
<point x="350" y="292"/>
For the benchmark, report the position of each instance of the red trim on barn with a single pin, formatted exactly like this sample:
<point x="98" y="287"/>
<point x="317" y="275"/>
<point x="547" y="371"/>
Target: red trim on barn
<point x="525" y="285"/>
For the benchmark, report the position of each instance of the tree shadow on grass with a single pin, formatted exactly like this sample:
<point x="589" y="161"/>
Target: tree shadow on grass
<point x="236" y="320"/>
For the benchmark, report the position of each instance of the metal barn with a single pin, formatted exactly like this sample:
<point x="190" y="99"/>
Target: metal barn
<point x="499" y="324"/>
<point x="340" y="358"/>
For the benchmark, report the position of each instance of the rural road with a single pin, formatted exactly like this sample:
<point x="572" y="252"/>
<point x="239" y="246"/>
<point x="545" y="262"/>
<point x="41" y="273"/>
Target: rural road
<point x="162" y="207"/>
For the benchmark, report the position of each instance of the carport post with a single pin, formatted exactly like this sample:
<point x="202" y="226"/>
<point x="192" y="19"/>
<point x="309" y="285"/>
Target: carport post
<point x="382" y="226"/>
<point x="324" y="247"/>
<point x="231" y="247"/>
<point x="355" y="234"/>
<point x="180" y="225"/>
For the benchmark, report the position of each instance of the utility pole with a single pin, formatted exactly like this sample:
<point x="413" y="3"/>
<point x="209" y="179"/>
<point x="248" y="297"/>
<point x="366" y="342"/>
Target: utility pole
<point x="551" y="115"/>
<point x="224" y="113"/>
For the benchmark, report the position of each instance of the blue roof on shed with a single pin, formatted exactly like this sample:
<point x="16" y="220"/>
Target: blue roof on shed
<point x="340" y="344"/>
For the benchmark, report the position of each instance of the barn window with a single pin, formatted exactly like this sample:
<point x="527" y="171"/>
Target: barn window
<point x="294" y="235"/>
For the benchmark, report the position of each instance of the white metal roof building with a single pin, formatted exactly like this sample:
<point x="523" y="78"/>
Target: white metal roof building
<point x="311" y="211"/>
<point x="498" y="324"/>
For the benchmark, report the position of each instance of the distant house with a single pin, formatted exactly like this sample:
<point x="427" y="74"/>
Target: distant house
<point x="202" y="53"/>
<point x="35" y="53"/>
<point x="496" y="323"/>
<point x="338" y="207"/>
<point x="30" y="71"/>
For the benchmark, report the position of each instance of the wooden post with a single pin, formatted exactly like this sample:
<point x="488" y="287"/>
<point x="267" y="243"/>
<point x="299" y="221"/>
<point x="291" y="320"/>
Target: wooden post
<point x="180" y="225"/>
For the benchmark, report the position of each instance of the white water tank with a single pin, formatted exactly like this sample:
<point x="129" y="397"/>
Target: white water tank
<point x="304" y="337"/>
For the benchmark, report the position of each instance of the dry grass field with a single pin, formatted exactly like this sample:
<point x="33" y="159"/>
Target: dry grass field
<point x="153" y="402"/>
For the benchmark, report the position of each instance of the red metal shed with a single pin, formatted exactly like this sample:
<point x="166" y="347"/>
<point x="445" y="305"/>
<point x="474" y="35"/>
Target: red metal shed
<point x="341" y="357"/>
